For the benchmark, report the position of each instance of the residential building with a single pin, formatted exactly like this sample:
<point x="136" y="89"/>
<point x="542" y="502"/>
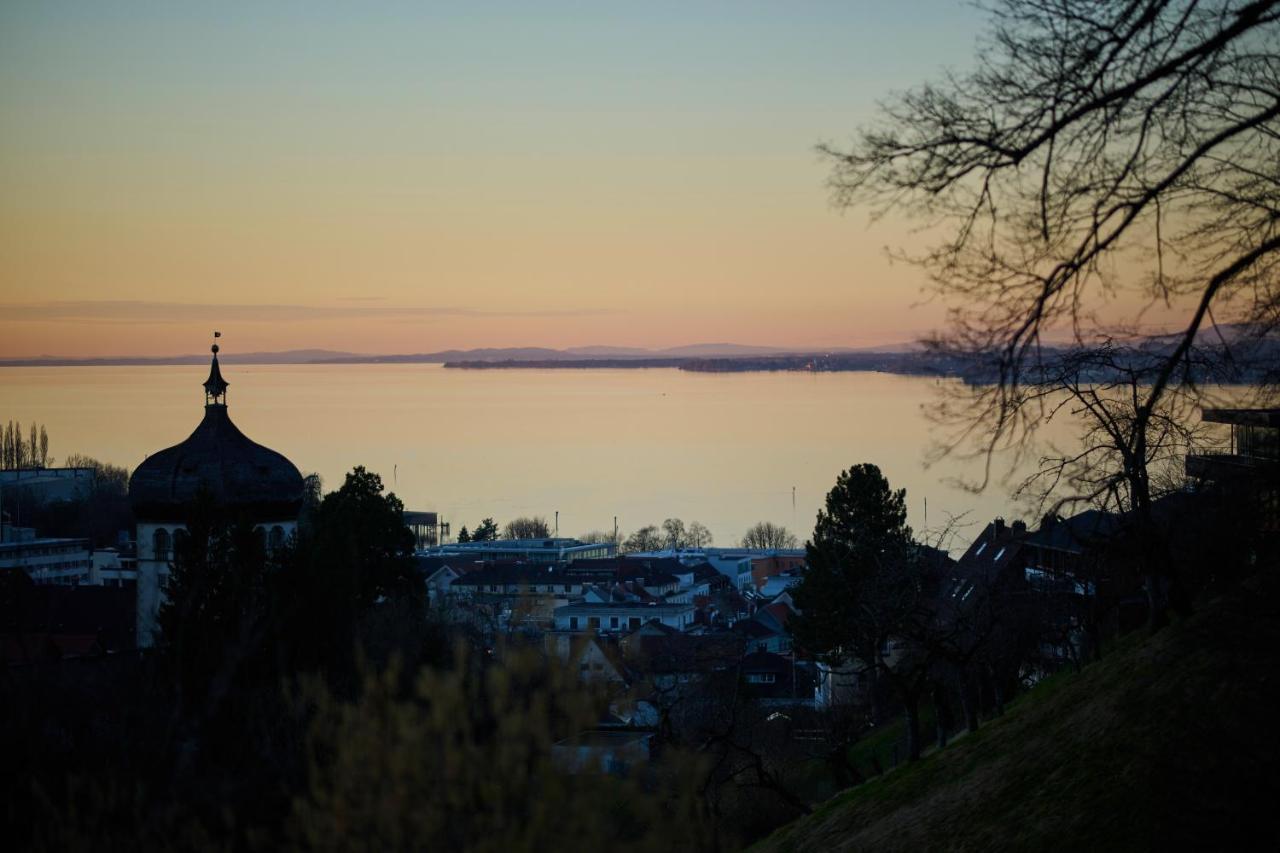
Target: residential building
<point x="41" y="623"/>
<point x="621" y="616"/>
<point x="614" y="752"/>
<point x="733" y="563"/>
<point x="1247" y="468"/>
<point x="774" y="679"/>
<point x="596" y="660"/>
<point x="768" y="564"/>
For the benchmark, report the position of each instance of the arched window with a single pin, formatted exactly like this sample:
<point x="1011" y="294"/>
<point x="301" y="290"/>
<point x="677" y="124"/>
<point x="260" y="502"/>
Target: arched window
<point x="276" y="540"/>
<point x="161" y="544"/>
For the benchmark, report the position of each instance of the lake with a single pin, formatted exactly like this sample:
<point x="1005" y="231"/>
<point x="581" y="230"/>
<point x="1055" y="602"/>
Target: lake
<point x="726" y="449"/>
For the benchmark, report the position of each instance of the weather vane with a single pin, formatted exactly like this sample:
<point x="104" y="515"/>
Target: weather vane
<point x="216" y="335"/>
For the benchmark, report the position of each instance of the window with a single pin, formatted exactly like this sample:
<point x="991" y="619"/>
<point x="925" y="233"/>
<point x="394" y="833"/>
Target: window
<point x="761" y="678"/>
<point x="613" y="621"/>
<point x="981" y="548"/>
<point x="161" y="544"/>
<point x="573" y="623"/>
<point x="276" y="540"/>
<point x="998" y="555"/>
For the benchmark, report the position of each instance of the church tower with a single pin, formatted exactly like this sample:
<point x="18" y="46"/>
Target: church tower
<point x="247" y="478"/>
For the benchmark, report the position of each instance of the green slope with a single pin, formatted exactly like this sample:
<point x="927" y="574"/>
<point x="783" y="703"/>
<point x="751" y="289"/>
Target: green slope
<point x="1170" y="743"/>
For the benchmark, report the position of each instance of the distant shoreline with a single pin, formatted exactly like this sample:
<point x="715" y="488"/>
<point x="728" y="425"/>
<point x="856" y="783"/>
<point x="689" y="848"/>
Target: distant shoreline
<point x="505" y="356"/>
<point x="902" y="363"/>
<point x="914" y="364"/>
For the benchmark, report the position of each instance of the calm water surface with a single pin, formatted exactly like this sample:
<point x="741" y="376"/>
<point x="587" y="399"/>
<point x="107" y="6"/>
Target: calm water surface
<point x="644" y="445"/>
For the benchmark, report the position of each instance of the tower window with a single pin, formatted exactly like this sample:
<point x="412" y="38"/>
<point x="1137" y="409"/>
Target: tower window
<point x="162" y="544"/>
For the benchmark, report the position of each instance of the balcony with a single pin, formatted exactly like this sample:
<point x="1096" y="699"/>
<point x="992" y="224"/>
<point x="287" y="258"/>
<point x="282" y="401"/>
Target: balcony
<point x="1231" y="467"/>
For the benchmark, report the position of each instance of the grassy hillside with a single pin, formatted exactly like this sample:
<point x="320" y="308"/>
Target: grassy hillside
<point x="1168" y="743"/>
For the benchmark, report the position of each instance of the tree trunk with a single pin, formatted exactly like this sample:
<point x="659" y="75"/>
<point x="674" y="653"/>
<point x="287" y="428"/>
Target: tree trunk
<point x="911" y="705"/>
<point x="997" y="696"/>
<point x="940" y="714"/>
<point x="969" y="704"/>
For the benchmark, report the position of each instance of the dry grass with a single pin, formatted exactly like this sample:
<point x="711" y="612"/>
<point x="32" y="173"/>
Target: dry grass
<point x="1167" y="744"/>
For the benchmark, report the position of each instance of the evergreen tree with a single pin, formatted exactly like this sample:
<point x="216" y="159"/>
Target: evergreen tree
<point x="486" y="531"/>
<point x="864" y="588"/>
<point x="215" y="621"/>
<point x="357" y="554"/>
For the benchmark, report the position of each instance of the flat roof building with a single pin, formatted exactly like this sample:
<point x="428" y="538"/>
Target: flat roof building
<point x="546" y="551"/>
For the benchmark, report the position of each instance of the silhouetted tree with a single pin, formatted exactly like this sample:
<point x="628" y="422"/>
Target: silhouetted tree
<point x="697" y="535"/>
<point x="1127" y="457"/>
<point x="1119" y="152"/>
<point x="676" y="535"/>
<point x="767" y="535"/>
<point x="215" y="620"/>
<point x="534" y="527"/>
<point x="19" y="451"/>
<point x="357" y="555"/>
<point x="108" y="479"/>
<point x="645" y="539"/>
<point x="863" y="599"/>
<point x="673" y="533"/>
<point x="485" y="531"/>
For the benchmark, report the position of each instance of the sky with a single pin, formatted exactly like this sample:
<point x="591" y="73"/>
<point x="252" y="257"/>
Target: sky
<point x="410" y="177"/>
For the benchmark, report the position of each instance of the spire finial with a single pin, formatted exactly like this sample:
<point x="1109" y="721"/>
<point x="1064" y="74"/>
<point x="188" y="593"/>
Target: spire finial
<point x="215" y="387"/>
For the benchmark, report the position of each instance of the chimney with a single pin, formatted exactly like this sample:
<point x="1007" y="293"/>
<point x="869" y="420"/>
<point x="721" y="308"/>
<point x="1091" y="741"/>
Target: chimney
<point x="998" y="527"/>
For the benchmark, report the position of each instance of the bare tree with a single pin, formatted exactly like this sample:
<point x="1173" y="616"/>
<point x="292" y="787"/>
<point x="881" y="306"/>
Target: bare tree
<point x="697" y="535"/>
<point x="108" y="479"/>
<point x="767" y="535"/>
<point x="1102" y="153"/>
<point x="673" y="533"/>
<point x="645" y="539"/>
<point x="1115" y="145"/>
<point x="525" y="527"/>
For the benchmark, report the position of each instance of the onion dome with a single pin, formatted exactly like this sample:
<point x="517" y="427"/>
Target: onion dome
<point x="219" y="458"/>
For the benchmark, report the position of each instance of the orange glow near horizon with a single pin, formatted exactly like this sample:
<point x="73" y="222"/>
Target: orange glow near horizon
<point x="395" y="180"/>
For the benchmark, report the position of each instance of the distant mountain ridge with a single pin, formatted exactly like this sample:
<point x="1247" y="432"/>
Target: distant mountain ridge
<point x="297" y="356"/>
<point x="324" y="356"/>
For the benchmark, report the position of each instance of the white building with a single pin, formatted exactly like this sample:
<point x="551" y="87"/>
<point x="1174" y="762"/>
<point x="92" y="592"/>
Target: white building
<point x="216" y="460"/>
<point x="621" y="616"/>
<point x="68" y="562"/>
<point x="734" y="564"/>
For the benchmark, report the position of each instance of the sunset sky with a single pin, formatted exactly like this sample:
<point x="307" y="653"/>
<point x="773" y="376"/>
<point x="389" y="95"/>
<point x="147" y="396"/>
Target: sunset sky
<point x="412" y="177"/>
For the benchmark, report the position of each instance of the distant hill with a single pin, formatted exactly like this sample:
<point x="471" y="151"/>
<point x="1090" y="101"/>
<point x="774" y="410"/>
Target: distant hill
<point x="1166" y="744"/>
<point x="482" y="354"/>
<point x="297" y="356"/>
